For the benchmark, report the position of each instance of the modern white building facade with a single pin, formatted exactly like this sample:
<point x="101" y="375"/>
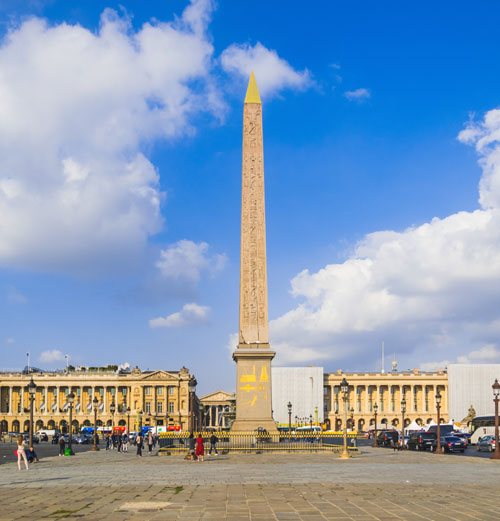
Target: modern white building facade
<point x="470" y="384"/>
<point x="303" y="388"/>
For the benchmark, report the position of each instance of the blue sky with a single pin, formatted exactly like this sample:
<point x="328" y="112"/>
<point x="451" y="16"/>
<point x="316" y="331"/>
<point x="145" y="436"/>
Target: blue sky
<point x="120" y="139"/>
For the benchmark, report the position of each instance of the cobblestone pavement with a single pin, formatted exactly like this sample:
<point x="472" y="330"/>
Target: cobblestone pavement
<point x="375" y="485"/>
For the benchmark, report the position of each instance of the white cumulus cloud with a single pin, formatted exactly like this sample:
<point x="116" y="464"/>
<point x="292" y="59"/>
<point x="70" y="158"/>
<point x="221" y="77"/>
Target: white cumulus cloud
<point x="186" y="260"/>
<point x="358" y="94"/>
<point x="51" y="355"/>
<point x="272" y="73"/>
<point x="76" y="109"/>
<point x="431" y="288"/>
<point x="189" y="314"/>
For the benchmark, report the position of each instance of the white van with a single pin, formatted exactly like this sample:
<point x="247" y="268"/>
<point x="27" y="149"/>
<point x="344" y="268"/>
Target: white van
<point x="48" y="432"/>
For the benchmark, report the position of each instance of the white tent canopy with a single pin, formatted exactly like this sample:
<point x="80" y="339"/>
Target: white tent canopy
<point x="432" y="422"/>
<point x="414" y="426"/>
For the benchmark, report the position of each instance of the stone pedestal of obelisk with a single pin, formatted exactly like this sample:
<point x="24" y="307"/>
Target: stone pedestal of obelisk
<point x="253" y="355"/>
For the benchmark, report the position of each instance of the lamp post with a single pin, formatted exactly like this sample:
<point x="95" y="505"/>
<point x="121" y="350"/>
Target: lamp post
<point x="375" y="409"/>
<point x="344" y="387"/>
<point x="192" y="389"/>
<point x="112" y="409"/>
<point x="336" y="410"/>
<point x="289" y="405"/>
<point x="31" y="391"/>
<point x="140" y="422"/>
<point x="438" y="408"/>
<point x="71" y="400"/>
<point x="352" y="419"/>
<point x="403" y="410"/>
<point x="311" y="421"/>
<point x="496" y="393"/>
<point x="95" y="403"/>
<point x="128" y="421"/>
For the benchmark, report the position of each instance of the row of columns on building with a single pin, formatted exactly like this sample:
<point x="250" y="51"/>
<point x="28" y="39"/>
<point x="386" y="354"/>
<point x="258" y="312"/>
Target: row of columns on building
<point x="101" y="390"/>
<point x="214" y="416"/>
<point x="393" y="405"/>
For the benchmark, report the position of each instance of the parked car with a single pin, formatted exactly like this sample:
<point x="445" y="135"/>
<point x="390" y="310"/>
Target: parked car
<point x="463" y="435"/>
<point x="387" y="438"/>
<point x="486" y="443"/>
<point x="83" y="439"/>
<point x="421" y="440"/>
<point x="450" y="444"/>
<point x="27" y="437"/>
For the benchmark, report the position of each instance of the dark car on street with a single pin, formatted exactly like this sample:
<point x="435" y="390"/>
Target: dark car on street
<point x="27" y="437"/>
<point x="387" y="438"/>
<point x="421" y="440"/>
<point x="450" y="444"/>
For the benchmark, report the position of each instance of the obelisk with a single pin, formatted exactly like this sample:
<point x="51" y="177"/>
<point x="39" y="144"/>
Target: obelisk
<point x="253" y="355"/>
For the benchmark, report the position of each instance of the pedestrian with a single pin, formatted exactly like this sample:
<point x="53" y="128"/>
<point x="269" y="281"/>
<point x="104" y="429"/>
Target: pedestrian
<point x="125" y="443"/>
<point x="150" y="442"/>
<point x="107" y="441"/>
<point x="120" y="442"/>
<point x="32" y="456"/>
<point x="200" y="447"/>
<point x="62" y="445"/>
<point x="213" y="442"/>
<point x="138" y="441"/>
<point x="191" y="445"/>
<point x="21" y="452"/>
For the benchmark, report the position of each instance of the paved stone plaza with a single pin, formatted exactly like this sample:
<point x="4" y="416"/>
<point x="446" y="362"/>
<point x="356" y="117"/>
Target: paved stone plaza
<point x="375" y="485"/>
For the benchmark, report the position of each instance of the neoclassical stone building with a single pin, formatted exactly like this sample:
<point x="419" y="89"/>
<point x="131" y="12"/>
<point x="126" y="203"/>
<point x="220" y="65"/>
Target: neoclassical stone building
<point x="387" y="390"/>
<point x="149" y="397"/>
<point x="215" y="407"/>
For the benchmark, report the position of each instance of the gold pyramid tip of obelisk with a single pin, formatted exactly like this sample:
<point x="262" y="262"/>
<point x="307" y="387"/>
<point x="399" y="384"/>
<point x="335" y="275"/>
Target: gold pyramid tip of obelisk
<point x="253" y="95"/>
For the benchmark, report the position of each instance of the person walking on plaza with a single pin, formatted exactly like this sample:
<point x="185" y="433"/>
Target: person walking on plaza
<point x="138" y="440"/>
<point x="107" y="441"/>
<point x="21" y="452"/>
<point x="125" y="443"/>
<point x="62" y="445"/>
<point x="213" y="442"/>
<point x="200" y="447"/>
<point x="150" y="442"/>
<point x="191" y="446"/>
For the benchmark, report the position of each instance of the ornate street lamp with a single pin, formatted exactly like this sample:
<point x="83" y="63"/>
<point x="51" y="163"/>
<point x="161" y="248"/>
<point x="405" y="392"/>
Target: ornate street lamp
<point x="95" y="403"/>
<point x="352" y="419"/>
<point x="496" y="394"/>
<point x="438" y="408"/>
<point x="344" y="387"/>
<point x="31" y="391"/>
<point x="192" y="389"/>
<point x="336" y="411"/>
<point x="112" y="409"/>
<point x="403" y="410"/>
<point x="128" y="421"/>
<point x="375" y="409"/>
<point x="289" y="420"/>
<point x="140" y="422"/>
<point x="71" y="401"/>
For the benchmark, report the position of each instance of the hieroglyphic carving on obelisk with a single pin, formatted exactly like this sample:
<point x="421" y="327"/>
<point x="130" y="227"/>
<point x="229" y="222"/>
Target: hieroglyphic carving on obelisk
<point x="253" y="271"/>
<point x="253" y="355"/>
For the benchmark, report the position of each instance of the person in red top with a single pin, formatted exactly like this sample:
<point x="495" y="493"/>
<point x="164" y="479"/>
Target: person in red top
<point x="200" y="448"/>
